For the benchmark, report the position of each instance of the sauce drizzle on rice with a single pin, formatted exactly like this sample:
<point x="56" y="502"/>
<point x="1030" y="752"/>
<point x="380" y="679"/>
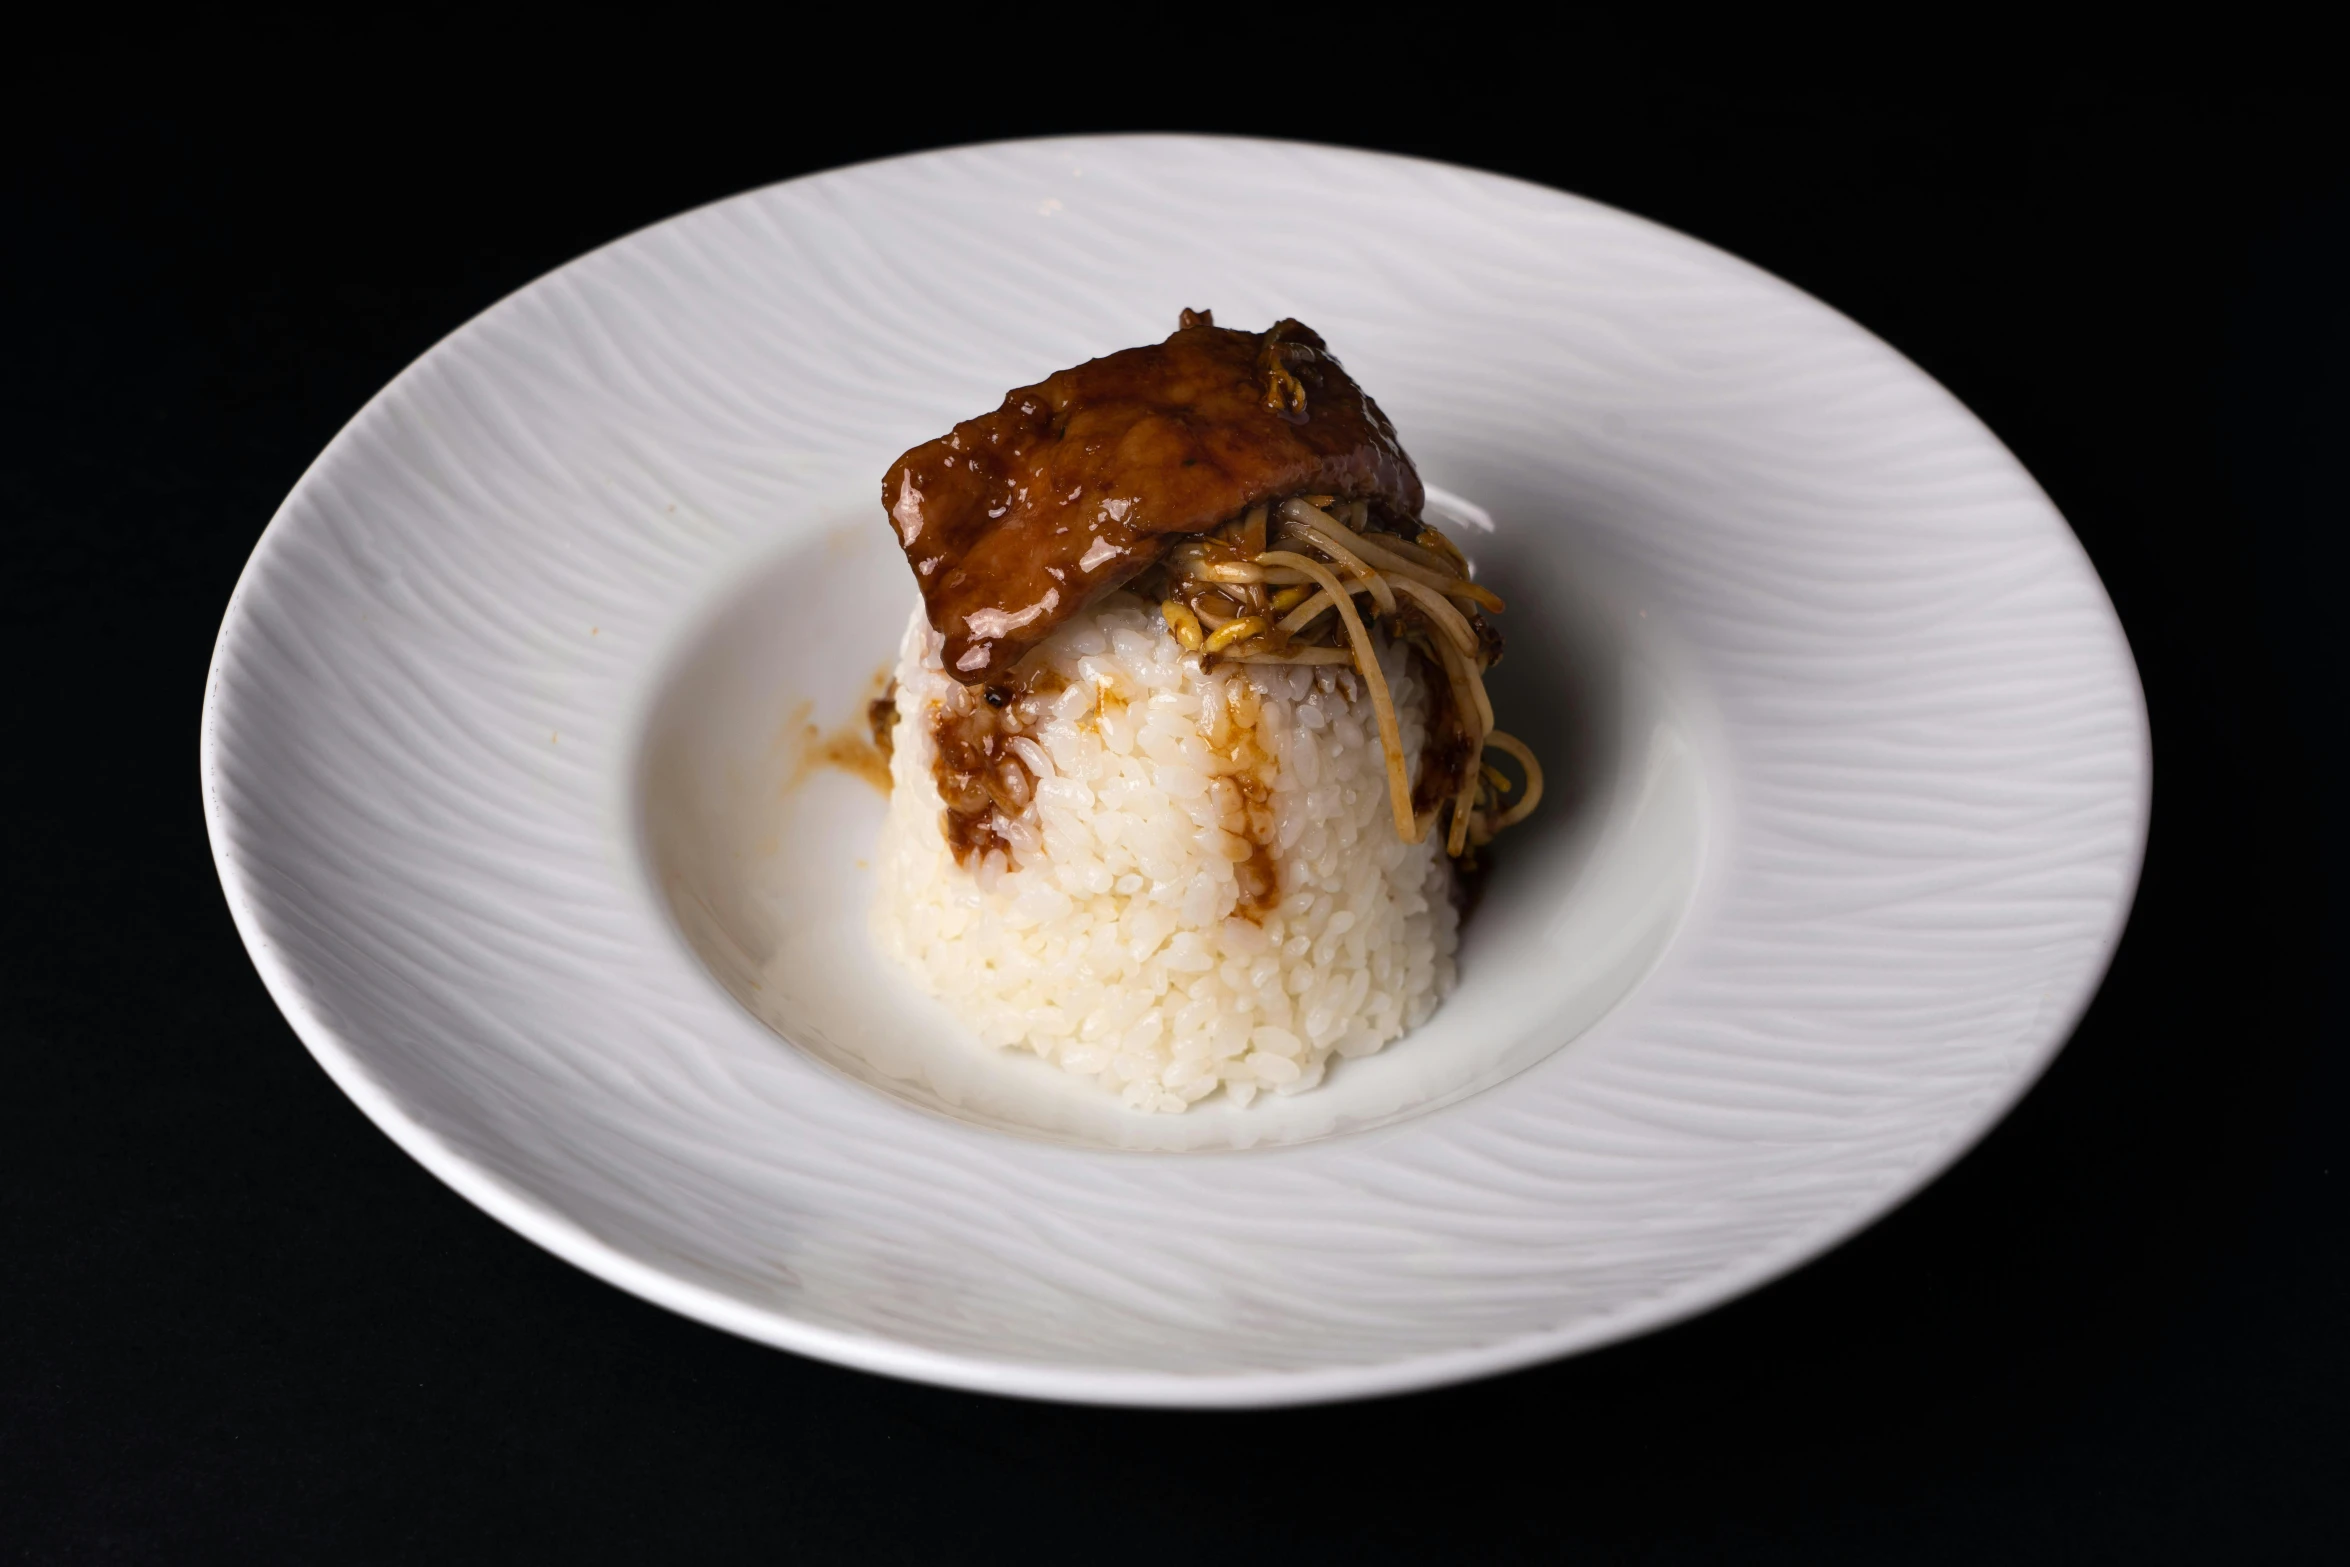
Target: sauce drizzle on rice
<point x="979" y="771"/>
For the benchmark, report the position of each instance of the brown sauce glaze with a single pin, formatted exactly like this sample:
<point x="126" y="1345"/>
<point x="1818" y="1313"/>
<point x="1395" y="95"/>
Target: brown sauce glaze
<point x="1258" y="877"/>
<point x="981" y="779"/>
<point x="858" y="749"/>
<point x="854" y="754"/>
<point x="1018" y="519"/>
<point x="881" y="717"/>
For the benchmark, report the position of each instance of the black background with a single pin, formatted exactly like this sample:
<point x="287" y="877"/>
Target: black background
<point x="237" y="1324"/>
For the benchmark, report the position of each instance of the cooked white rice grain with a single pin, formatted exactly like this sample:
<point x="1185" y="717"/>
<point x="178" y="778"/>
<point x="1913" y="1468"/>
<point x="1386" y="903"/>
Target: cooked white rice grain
<point x="1114" y="939"/>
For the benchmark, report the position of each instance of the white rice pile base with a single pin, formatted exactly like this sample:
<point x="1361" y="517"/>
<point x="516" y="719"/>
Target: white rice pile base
<point x="1112" y="943"/>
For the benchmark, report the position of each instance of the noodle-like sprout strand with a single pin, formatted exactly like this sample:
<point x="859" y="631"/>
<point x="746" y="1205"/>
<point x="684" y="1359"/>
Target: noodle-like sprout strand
<point x="1183" y="623"/>
<point x="1399" y="787"/>
<point x="1466" y="796"/>
<point x="1440" y="610"/>
<point x="1389" y="555"/>
<point x="1433" y="540"/>
<point x="1501" y="740"/>
<point x="1378" y="554"/>
<point x="1474" y="670"/>
<point x="1236" y="631"/>
<point x="1354" y="563"/>
<point x="1312" y="609"/>
<point x="1383" y="552"/>
<point x="1299" y="655"/>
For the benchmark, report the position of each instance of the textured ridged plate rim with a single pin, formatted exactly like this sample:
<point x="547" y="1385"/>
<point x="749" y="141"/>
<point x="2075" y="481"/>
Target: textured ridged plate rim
<point x="343" y="1059"/>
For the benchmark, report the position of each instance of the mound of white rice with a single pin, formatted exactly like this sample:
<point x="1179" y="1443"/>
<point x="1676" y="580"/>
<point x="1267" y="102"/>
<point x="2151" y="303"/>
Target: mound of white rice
<point x="1112" y="933"/>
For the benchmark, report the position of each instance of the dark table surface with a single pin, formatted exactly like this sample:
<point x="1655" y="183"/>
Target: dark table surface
<point x="238" y="1324"/>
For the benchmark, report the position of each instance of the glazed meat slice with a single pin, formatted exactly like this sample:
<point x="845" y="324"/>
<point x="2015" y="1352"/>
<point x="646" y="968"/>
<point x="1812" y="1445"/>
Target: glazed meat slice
<point x="1018" y="519"/>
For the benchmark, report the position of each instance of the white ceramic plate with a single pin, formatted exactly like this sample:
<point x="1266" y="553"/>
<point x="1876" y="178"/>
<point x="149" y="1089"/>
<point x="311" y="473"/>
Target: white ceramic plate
<point x="505" y="760"/>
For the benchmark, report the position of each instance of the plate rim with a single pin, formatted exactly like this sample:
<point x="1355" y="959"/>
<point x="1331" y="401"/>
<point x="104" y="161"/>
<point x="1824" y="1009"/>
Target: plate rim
<point x="570" y="1241"/>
